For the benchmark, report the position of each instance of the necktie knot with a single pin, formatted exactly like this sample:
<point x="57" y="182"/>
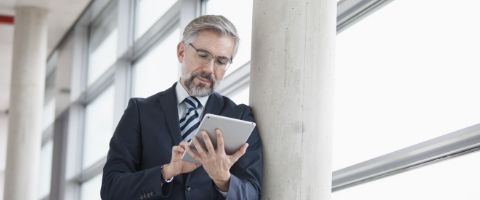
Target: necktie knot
<point x="192" y="102"/>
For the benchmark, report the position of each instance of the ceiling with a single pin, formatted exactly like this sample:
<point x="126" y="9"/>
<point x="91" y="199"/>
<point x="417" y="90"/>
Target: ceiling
<point x="62" y="15"/>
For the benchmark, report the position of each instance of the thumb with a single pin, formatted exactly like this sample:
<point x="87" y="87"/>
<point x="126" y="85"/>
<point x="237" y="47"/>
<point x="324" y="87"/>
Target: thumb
<point x="177" y="152"/>
<point x="239" y="153"/>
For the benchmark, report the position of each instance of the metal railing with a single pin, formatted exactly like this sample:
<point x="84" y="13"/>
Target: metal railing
<point x="441" y="148"/>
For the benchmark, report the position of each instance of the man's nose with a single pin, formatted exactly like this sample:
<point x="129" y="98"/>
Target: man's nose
<point x="210" y="65"/>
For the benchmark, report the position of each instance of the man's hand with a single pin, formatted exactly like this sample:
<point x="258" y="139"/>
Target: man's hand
<point x="217" y="163"/>
<point x="177" y="165"/>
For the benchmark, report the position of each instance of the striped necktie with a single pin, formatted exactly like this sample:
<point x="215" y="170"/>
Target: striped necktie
<point x="189" y="123"/>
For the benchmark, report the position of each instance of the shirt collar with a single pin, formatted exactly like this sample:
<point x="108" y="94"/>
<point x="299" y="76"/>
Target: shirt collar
<point x="182" y="94"/>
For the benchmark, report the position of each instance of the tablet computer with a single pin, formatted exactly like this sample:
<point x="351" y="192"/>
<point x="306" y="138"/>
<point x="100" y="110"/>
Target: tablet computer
<point x="235" y="133"/>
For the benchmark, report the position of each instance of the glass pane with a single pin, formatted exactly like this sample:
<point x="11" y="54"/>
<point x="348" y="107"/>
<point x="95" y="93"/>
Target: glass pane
<point x="45" y="176"/>
<point x="158" y="69"/>
<point x="240" y="14"/>
<point x="241" y="96"/>
<point x="457" y="178"/>
<point x="102" y="57"/>
<point x="148" y="12"/>
<point x="403" y="79"/>
<point x="98" y="127"/>
<point x="90" y="190"/>
<point x="48" y="114"/>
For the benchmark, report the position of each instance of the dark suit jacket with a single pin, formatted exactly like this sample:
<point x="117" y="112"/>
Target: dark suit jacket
<point x="143" y="142"/>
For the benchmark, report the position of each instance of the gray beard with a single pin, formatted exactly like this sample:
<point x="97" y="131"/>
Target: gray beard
<point x="200" y="90"/>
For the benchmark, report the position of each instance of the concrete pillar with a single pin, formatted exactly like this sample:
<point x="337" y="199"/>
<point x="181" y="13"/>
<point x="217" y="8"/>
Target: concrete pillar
<point x="291" y="94"/>
<point x="26" y="103"/>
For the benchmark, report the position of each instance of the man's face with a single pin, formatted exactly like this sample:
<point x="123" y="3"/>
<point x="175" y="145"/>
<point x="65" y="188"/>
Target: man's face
<point x="200" y="77"/>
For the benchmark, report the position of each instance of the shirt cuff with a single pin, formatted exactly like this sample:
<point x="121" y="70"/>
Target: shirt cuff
<point x="164" y="181"/>
<point x="224" y="194"/>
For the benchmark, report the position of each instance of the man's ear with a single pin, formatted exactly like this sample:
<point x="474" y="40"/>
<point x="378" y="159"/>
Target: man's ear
<point x="180" y="51"/>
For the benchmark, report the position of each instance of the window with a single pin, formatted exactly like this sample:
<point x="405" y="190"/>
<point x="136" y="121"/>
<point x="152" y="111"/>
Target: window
<point x="148" y="12"/>
<point x="241" y="96"/>
<point x="102" y="57"/>
<point x="98" y="127"/>
<point x="240" y="14"/>
<point x="457" y="178"/>
<point x="403" y="79"/>
<point x="158" y="69"/>
<point x="48" y="114"/>
<point x="103" y="39"/>
<point x="90" y="190"/>
<point x="45" y="176"/>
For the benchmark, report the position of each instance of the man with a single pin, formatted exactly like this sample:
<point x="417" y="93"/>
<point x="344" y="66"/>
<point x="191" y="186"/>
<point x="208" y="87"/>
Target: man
<point x="145" y="156"/>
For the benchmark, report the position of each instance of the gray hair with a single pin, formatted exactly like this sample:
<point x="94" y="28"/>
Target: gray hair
<point x="216" y="23"/>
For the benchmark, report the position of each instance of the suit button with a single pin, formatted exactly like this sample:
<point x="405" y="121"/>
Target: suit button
<point x="188" y="188"/>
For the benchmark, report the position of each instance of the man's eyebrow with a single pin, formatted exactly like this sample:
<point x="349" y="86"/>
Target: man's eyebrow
<point x="223" y="57"/>
<point x="200" y="49"/>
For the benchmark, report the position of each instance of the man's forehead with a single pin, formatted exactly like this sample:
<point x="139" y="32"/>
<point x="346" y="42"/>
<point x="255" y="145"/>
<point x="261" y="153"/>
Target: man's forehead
<point x="214" y="42"/>
<point x="211" y="34"/>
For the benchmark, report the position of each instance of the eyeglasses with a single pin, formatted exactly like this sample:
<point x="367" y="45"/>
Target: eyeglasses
<point x="205" y="57"/>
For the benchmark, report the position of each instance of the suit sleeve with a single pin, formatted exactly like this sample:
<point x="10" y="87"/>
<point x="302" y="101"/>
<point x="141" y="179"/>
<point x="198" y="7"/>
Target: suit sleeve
<point x="122" y="178"/>
<point x="246" y="174"/>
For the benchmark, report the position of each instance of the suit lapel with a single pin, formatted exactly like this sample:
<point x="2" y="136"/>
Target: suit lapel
<point x="168" y="102"/>
<point x="214" y="104"/>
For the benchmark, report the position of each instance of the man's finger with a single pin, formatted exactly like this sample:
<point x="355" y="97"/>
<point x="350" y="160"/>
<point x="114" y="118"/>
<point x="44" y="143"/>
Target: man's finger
<point x="183" y="144"/>
<point x="177" y="152"/>
<point x="193" y="154"/>
<point x="199" y="148"/>
<point x="220" y="142"/>
<point x="239" y="153"/>
<point x="178" y="149"/>
<point x="208" y="142"/>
